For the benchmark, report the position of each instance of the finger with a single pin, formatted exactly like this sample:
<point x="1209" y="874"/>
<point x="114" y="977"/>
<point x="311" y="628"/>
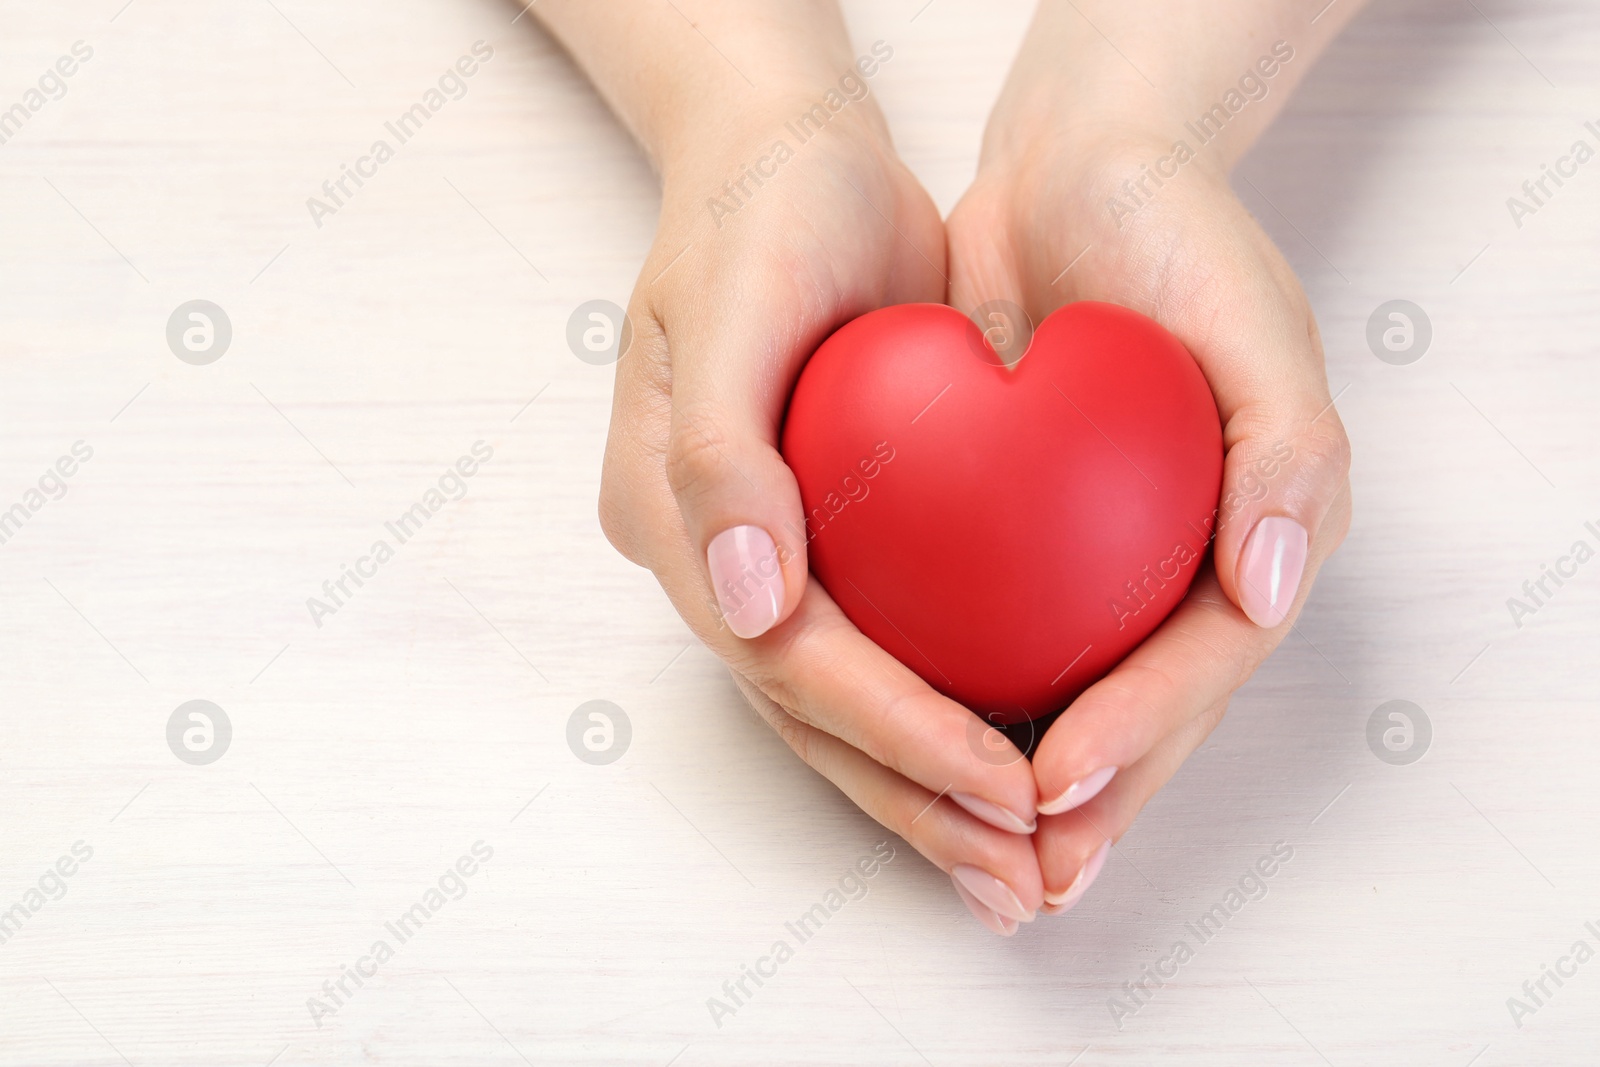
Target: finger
<point x="831" y="676"/>
<point x="995" y="873"/>
<point x="739" y="501"/>
<point x="1283" y="473"/>
<point x="1073" y="847"/>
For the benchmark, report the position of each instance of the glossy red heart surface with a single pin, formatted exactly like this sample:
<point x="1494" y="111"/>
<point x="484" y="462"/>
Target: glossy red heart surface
<point x="1008" y="533"/>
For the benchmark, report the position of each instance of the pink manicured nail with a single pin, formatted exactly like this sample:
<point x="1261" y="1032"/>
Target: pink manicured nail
<point x="1269" y="569"/>
<point x="749" y="582"/>
<point x="1080" y="792"/>
<point x="991" y="891"/>
<point x="1055" y="905"/>
<point x="986" y="915"/>
<point x="993" y="814"/>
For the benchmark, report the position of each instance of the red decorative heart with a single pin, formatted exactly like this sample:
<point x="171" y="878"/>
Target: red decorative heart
<point x="1008" y="534"/>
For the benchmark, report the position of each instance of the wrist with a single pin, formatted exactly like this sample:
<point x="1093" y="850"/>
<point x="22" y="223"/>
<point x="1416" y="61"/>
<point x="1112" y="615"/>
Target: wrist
<point x="830" y="104"/>
<point x="719" y="70"/>
<point x="1205" y="77"/>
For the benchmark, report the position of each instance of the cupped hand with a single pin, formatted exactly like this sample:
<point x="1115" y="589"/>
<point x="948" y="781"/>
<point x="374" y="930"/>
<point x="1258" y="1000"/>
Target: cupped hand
<point x="1049" y="221"/>
<point x="766" y="244"/>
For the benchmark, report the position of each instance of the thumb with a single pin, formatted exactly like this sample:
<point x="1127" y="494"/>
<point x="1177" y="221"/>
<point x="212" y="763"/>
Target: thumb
<point x="1280" y="480"/>
<point x="739" y="501"/>
<point x="1285" y="480"/>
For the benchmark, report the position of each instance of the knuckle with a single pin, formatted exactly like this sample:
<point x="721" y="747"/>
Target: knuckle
<point x="1324" y="477"/>
<point x="1327" y="450"/>
<point x="694" y="460"/>
<point x="1338" y="453"/>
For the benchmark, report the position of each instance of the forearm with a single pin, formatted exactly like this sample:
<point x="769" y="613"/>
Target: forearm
<point x="1162" y="69"/>
<point x="680" y="73"/>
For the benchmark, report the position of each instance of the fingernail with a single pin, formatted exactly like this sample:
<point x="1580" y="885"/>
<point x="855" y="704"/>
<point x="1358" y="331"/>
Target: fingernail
<point x="748" y="580"/>
<point x="990" y="890"/>
<point x="994" y="814"/>
<point x="1055" y="905"/>
<point x="986" y="915"/>
<point x="1269" y="569"/>
<point x="1080" y="792"/>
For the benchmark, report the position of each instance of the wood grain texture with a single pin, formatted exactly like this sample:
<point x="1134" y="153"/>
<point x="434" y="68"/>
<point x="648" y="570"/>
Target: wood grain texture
<point x="430" y="712"/>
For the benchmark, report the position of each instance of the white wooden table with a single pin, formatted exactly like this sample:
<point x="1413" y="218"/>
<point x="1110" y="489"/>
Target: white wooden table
<point x="430" y="711"/>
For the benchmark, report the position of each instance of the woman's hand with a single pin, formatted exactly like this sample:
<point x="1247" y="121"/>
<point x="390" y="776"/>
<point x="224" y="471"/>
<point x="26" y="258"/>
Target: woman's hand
<point x="785" y="214"/>
<point x="1081" y="195"/>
